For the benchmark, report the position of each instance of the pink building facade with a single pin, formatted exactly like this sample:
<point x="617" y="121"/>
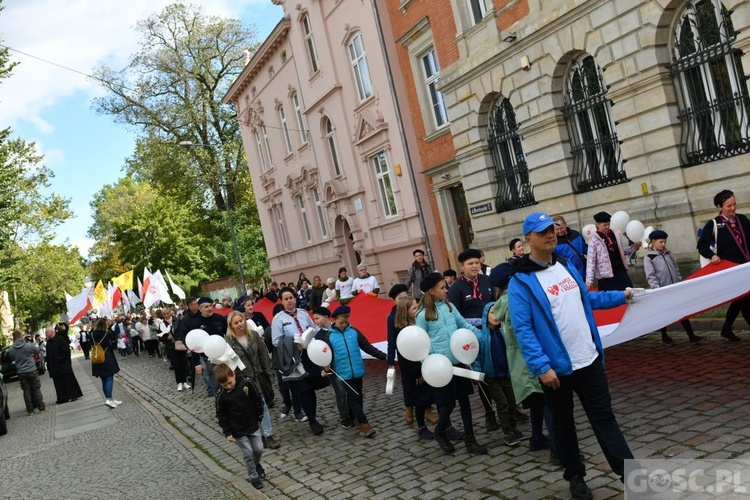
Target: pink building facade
<point x="330" y="171"/>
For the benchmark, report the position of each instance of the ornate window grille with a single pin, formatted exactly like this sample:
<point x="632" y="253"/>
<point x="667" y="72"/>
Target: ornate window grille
<point x="711" y="85"/>
<point x="511" y="172"/>
<point x="597" y="160"/>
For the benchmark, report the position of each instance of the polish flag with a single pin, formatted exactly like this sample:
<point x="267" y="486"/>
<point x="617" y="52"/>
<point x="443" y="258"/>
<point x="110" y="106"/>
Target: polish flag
<point x="79" y="305"/>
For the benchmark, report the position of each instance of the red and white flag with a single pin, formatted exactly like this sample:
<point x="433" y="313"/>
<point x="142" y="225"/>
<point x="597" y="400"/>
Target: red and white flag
<point x="79" y="305"/>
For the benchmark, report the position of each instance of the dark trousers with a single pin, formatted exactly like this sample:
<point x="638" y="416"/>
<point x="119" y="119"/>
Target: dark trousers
<point x="590" y="384"/>
<point x="32" y="390"/>
<point x="741" y="305"/>
<point x="354" y="400"/>
<point x="303" y="392"/>
<point x="135" y="344"/>
<point x="501" y="392"/>
<point x="484" y="396"/>
<point x="341" y="391"/>
<point x="539" y="415"/>
<point x="179" y="362"/>
<point x="287" y="396"/>
<point x="86" y="347"/>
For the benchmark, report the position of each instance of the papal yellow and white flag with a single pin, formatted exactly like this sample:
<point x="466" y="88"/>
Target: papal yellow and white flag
<point x="100" y="294"/>
<point x="124" y="281"/>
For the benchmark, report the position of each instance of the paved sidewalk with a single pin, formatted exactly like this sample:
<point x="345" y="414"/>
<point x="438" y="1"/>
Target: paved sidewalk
<point x="85" y="450"/>
<point x="678" y="402"/>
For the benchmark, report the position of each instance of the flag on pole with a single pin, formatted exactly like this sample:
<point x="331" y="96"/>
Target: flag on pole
<point x="114" y="296"/>
<point x="78" y="305"/>
<point x="158" y="279"/>
<point x="133" y="298"/>
<point x="100" y="294"/>
<point x="148" y="296"/>
<point x="175" y="289"/>
<point x="140" y="290"/>
<point x="126" y="302"/>
<point x="124" y="281"/>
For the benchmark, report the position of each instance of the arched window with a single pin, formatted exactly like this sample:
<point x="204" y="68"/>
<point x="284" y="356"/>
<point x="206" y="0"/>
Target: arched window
<point x="359" y="67"/>
<point x="312" y="54"/>
<point x="331" y="149"/>
<point x="710" y="83"/>
<point x="597" y="159"/>
<point x="511" y="172"/>
<point x="285" y="130"/>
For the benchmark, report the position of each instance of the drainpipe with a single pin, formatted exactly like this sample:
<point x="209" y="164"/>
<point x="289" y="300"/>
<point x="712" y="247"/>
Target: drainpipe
<point x="402" y="133"/>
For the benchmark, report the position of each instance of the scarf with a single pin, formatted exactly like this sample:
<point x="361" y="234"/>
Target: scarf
<point x="609" y="238"/>
<point x="738" y="234"/>
<point x="294" y="315"/>
<point x="475" y="292"/>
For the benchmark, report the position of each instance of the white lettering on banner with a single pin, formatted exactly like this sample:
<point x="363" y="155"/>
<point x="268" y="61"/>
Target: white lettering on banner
<point x="650" y="310"/>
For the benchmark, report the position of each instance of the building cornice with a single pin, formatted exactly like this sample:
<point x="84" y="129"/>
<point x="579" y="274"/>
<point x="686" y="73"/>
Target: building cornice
<point x="264" y="53"/>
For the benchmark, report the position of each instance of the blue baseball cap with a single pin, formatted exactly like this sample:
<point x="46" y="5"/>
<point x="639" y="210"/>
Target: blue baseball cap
<point x="537" y="222"/>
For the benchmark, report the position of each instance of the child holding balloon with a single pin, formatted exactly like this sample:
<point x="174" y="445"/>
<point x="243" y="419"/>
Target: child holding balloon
<point x="439" y="319"/>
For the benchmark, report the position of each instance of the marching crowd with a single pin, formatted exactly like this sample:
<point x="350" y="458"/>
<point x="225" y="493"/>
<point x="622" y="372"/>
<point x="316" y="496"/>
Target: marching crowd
<point x="532" y="317"/>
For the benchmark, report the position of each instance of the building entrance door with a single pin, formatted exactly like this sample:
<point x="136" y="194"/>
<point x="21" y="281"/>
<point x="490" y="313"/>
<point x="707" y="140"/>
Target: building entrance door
<point x="463" y="219"/>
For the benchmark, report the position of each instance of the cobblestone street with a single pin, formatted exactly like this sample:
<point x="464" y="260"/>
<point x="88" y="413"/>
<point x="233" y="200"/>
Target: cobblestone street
<point x="672" y="402"/>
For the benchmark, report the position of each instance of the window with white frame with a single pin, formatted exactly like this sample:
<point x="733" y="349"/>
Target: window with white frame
<point x="597" y="160"/>
<point x="260" y="151"/>
<point x="278" y="215"/>
<point x="711" y="85"/>
<point x="303" y="217"/>
<point x="312" y="54"/>
<point x="319" y="209"/>
<point x="431" y="75"/>
<point x="300" y="119"/>
<point x="385" y="186"/>
<point x="285" y="130"/>
<point x="268" y="144"/>
<point x="358" y="59"/>
<point x="331" y="150"/>
<point x="477" y="10"/>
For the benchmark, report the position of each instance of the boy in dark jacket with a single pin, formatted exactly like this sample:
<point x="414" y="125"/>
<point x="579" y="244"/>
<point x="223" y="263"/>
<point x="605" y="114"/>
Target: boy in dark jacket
<point x="239" y="409"/>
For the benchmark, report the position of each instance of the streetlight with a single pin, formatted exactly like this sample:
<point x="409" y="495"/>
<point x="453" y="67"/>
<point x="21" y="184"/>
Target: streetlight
<point x="224" y="193"/>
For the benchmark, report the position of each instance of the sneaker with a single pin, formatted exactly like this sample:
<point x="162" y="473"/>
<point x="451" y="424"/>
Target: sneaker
<point x="425" y="433"/>
<point x="271" y="444"/>
<point x="300" y="417"/>
<point x="511" y="439"/>
<point x="180" y="387"/>
<point x="347" y="424"/>
<point x="368" y="431"/>
<point x="475" y="448"/>
<point x="578" y="488"/>
<point x="260" y="470"/>
<point x="117" y="403"/>
<point x="256" y="482"/>
<point x="454" y="434"/>
<point x="316" y="428"/>
<point x="110" y="403"/>
<point x="518" y="433"/>
<point x="730" y="336"/>
<point x="444" y="443"/>
<point x="544" y="443"/>
<point x="284" y="412"/>
<point x="186" y="386"/>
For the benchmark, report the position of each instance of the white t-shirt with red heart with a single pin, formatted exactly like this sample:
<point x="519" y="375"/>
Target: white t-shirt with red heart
<point x="564" y="297"/>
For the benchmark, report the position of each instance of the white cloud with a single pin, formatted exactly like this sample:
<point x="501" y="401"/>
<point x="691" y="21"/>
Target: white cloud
<point x="84" y="246"/>
<point x="76" y="34"/>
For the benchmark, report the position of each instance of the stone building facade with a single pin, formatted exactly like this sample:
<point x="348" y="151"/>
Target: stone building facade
<point x="328" y="163"/>
<point x="572" y="107"/>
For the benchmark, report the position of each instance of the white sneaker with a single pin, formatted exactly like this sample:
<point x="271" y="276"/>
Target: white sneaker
<point x="117" y="403"/>
<point x="180" y="386"/>
<point x="186" y="385"/>
<point x="110" y="403"/>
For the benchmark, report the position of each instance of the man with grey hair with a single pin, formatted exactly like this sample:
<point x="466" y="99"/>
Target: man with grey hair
<point x="22" y="353"/>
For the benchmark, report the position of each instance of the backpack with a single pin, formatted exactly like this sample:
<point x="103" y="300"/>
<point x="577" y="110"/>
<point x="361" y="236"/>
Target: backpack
<point x="97" y="353"/>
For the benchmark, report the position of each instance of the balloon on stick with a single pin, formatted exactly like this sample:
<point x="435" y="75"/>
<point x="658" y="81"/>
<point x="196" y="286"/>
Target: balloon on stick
<point x="646" y="233"/>
<point x="587" y="231"/>
<point x="195" y="339"/>
<point x="437" y="370"/>
<point x="319" y="352"/>
<point x="214" y="346"/>
<point x="635" y="230"/>
<point x="619" y="221"/>
<point x="464" y="345"/>
<point x="413" y="343"/>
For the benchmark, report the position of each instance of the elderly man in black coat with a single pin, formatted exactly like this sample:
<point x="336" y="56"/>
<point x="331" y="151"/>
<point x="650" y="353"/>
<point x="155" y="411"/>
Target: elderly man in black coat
<point x="59" y="365"/>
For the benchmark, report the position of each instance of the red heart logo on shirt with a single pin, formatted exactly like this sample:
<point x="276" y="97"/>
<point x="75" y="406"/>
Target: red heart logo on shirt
<point x="554" y="289"/>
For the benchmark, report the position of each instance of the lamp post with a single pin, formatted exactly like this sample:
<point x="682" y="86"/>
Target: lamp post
<point x="230" y="221"/>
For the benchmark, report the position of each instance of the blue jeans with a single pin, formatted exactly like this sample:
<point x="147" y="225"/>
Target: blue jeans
<point x="107" y="384"/>
<point x="252" y="448"/>
<point x="266" y="426"/>
<point x="590" y="384"/>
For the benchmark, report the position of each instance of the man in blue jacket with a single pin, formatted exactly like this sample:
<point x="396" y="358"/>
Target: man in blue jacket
<point x="552" y="313"/>
<point x="570" y="245"/>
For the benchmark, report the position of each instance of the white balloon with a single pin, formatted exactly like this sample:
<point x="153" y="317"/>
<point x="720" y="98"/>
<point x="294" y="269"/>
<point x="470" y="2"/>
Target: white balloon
<point x="195" y="339"/>
<point x="587" y="231"/>
<point x="437" y="370"/>
<point x="465" y="345"/>
<point x="619" y="221"/>
<point x="319" y="352"/>
<point x="413" y="343"/>
<point x="646" y="232"/>
<point x="635" y="230"/>
<point x="214" y="346"/>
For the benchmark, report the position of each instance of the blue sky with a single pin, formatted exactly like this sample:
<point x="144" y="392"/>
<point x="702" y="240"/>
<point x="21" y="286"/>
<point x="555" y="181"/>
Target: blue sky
<point x="52" y="106"/>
